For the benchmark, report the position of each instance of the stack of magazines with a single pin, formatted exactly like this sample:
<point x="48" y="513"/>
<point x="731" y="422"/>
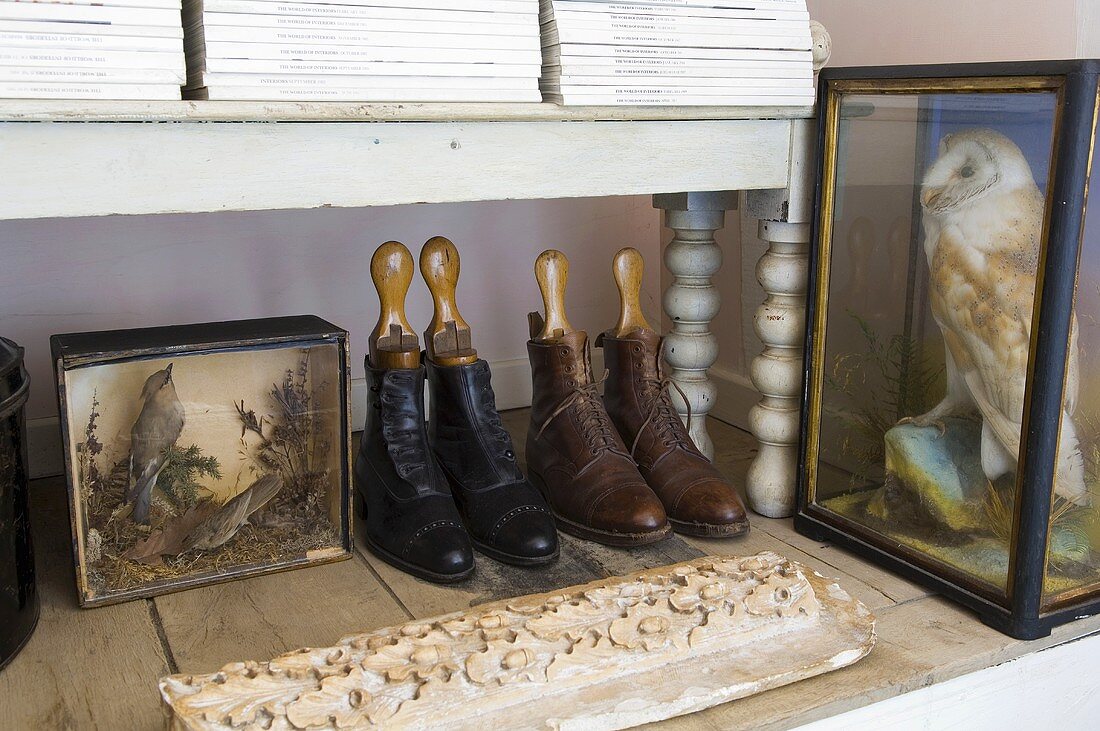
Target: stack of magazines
<point x="91" y="49"/>
<point x="683" y="52"/>
<point x="363" y="50"/>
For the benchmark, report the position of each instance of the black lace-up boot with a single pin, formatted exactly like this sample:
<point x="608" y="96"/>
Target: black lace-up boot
<point x="412" y="521"/>
<point x="506" y="516"/>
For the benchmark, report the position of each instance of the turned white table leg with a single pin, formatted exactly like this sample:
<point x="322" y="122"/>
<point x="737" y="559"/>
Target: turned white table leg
<point x="692" y="301"/>
<point x="780" y="324"/>
<point x="777" y="371"/>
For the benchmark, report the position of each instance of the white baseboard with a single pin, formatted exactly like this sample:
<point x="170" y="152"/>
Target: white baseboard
<point x="45" y="458"/>
<point x="511" y="383"/>
<point x="736" y="397"/>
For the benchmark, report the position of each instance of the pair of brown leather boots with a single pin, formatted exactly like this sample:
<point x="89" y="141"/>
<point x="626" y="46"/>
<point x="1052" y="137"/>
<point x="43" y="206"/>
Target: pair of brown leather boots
<point x="619" y="469"/>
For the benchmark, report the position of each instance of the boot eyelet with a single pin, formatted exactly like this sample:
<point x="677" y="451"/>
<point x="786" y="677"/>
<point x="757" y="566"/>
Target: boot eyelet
<point x="637" y="349"/>
<point x="565" y="351"/>
<point x="509" y="454"/>
<point x="569" y="369"/>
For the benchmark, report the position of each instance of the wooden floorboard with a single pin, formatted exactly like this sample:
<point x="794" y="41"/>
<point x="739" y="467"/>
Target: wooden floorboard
<point x="98" y="668"/>
<point x="579" y="563"/>
<point x="757" y="540"/>
<point x="258" y="618"/>
<point x="894" y="587"/>
<point x="82" y="668"/>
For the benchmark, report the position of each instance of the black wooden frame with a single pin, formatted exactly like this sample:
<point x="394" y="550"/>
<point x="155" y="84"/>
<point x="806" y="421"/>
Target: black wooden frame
<point x="76" y="350"/>
<point x="1023" y="614"/>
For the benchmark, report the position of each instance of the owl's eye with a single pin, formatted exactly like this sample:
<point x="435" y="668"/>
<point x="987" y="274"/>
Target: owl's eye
<point x="967" y="171"/>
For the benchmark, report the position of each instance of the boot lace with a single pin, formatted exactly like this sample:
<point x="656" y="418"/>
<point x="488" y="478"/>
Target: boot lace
<point x="594" y="423"/>
<point x="660" y="412"/>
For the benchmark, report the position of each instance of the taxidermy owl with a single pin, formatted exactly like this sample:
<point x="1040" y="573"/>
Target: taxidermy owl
<point x="157" y="428"/>
<point x="983" y="219"/>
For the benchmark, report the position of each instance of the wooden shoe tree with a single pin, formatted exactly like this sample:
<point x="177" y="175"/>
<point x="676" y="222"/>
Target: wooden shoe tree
<point x="628" y="267"/>
<point x="447" y="339"/>
<point x="392" y="343"/>
<point x="551" y="272"/>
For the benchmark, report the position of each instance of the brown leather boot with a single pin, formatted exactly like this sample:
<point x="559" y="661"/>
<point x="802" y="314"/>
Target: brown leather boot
<point x="698" y="499"/>
<point x="575" y="457"/>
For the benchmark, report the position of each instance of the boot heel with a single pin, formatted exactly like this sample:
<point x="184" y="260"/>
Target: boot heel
<point x="360" y="506"/>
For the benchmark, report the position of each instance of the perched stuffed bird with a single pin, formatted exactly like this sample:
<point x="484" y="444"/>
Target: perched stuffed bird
<point x="157" y="428"/>
<point x="983" y="221"/>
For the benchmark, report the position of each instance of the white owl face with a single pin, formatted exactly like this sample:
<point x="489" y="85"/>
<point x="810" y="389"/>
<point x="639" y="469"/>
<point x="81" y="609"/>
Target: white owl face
<point x="971" y="165"/>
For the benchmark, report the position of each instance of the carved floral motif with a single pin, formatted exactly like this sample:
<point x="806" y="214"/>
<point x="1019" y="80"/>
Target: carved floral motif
<point x="651" y="627"/>
<point x="783" y="595"/>
<point x="370" y="679"/>
<point x="702" y="590"/>
<point x="360" y="698"/>
<point x="505" y="662"/>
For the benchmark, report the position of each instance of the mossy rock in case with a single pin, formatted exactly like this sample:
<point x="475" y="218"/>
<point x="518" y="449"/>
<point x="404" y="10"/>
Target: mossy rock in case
<point x="934" y="478"/>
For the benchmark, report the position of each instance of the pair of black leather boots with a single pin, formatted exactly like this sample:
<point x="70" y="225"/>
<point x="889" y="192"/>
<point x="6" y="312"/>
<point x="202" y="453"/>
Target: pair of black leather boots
<point x="433" y="491"/>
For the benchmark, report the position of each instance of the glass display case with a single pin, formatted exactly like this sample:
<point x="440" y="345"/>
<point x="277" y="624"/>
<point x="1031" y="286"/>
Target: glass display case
<point x="951" y="422"/>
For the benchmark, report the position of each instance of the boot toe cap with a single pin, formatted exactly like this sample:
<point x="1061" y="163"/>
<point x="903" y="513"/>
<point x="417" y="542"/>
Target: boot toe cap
<point x="444" y="551"/>
<point x="709" y="507"/>
<point x="629" y="509"/>
<point x="530" y="535"/>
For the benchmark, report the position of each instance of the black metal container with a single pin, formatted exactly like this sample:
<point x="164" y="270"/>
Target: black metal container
<point x="18" y="597"/>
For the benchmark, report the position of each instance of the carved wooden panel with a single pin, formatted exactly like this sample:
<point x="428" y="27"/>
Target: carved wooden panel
<point x="606" y="655"/>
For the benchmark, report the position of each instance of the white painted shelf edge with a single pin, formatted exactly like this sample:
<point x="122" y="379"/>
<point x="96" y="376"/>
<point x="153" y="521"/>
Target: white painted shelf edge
<point x="101" y="167"/>
<point x="41" y="110"/>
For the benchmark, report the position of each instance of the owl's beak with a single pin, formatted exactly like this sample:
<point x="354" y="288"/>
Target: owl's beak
<point x="928" y="196"/>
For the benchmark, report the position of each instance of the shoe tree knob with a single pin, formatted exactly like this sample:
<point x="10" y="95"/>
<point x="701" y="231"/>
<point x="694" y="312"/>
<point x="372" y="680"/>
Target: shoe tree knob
<point x="628" y="267"/>
<point x="552" y="272"/>
<point x="392" y="343"/>
<point x="447" y="339"/>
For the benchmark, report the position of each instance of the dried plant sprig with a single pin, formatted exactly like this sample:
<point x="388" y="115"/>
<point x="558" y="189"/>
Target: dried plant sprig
<point x="89" y="449"/>
<point x="249" y="421"/>
<point x="891" y="379"/>
<point x="289" y="445"/>
<point x="182" y="468"/>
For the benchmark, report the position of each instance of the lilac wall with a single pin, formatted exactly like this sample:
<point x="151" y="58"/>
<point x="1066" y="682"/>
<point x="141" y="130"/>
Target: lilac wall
<point x="114" y="272"/>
